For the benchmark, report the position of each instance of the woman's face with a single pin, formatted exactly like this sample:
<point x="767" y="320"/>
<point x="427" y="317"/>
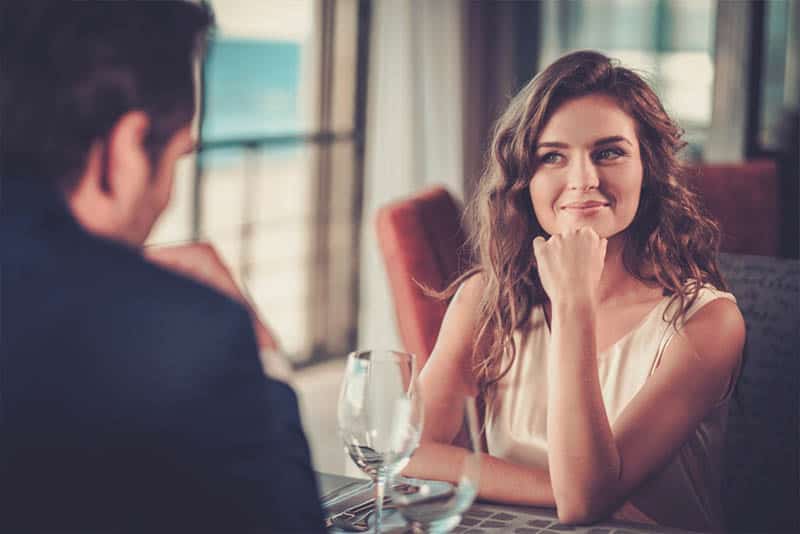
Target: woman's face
<point x="589" y="170"/>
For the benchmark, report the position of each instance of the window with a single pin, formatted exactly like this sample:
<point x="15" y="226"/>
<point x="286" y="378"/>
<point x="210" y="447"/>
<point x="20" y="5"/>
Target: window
<point x="276" y="181"/>
<point x="669" y="41"/>
<point x="773" y="63"/>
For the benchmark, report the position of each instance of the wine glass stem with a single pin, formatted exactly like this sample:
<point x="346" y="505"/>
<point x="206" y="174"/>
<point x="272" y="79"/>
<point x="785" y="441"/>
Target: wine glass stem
<point x="380" y="490"/>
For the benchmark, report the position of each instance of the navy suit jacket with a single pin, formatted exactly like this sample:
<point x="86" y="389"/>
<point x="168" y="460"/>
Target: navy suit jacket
<point x="131" y="398"/>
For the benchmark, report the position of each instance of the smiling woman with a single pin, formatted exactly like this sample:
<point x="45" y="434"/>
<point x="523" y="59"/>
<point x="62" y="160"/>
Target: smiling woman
<point x="585" y="324"/>
<point x="589" y="170"/>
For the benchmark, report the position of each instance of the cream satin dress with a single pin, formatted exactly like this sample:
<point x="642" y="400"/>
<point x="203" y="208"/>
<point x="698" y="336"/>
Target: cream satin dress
<point x="685" y="492"/>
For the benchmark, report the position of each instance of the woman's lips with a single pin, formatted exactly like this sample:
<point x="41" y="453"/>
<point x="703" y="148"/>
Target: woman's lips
<point x="584" y="207"/>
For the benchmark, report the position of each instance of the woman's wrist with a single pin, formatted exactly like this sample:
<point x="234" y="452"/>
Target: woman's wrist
<point x="573" y="306"/>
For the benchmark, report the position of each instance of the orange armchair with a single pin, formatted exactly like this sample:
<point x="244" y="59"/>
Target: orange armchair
<point x="422" y="242"/>
<point x="745" y="199"/>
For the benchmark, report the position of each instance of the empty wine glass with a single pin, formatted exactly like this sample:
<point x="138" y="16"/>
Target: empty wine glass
<point x="437" y="506"/>
<point x="380" y="415"/>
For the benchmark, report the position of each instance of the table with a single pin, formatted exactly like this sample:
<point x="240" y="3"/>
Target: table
<point x="489" y="518"/>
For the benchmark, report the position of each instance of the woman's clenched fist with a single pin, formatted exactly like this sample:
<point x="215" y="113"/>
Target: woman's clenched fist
<point x="570" y="265"/>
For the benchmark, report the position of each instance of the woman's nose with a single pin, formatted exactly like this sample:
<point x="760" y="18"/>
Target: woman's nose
<point x="583" y="175"/>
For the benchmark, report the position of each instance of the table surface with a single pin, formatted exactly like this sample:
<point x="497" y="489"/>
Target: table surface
<point x="490" y="518"/>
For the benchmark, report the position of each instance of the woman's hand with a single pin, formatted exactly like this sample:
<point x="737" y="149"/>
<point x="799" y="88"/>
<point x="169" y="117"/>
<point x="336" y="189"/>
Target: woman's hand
<point x="570" y="265"/>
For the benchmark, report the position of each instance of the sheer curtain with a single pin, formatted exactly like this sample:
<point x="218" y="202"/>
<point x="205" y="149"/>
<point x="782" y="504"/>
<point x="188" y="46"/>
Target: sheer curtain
<point x="414" y="132"/>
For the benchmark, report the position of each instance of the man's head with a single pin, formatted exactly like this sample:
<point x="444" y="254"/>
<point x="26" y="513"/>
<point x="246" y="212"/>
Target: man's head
<point x="97" y="99"/>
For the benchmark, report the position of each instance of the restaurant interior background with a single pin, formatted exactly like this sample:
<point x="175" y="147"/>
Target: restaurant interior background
<point x="317" y="112"/>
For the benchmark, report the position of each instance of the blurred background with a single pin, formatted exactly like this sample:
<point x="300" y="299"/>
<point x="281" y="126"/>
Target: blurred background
<point x="317" y="112"/>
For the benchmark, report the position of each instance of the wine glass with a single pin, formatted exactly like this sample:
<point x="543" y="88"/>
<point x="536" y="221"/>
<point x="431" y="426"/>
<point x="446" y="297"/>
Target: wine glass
<point x="380" y="415"/>
<point x="436" y="506"/>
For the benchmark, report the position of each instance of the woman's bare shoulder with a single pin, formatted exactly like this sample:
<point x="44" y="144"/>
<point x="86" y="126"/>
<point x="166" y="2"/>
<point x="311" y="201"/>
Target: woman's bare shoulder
<point x="471" y="291"/>
<point x="717" y="329"/>
<point x="455" y="341"/>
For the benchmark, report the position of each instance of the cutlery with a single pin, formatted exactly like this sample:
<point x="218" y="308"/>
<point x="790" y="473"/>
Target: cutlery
<point x="357" y="522"/>
<point x="347" y="490"/>
<point x="354" y="518"/>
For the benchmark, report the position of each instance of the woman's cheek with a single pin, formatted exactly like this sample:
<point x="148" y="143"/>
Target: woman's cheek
<point x="543" y="200"/>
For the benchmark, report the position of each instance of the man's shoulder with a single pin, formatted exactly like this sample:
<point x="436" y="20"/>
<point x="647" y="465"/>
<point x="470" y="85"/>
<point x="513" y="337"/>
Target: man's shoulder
<point x="44" y="246"/>
<point x="164" y="302"/>
<point x="156" y="291"/>
<point x="117" y="293"/>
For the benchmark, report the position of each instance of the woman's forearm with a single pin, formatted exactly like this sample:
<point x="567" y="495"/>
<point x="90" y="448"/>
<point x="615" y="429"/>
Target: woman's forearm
<point x="583" y="458"/>
<point x="500" y="480"/>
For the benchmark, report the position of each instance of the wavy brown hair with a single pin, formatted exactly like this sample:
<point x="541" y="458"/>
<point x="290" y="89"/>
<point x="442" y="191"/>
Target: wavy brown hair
<point x="671" y="241"/>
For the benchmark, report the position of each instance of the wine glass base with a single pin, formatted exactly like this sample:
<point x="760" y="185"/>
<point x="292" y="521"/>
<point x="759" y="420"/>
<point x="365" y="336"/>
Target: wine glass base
<point x="391" y="522"/>
<point x="439" y="526"/>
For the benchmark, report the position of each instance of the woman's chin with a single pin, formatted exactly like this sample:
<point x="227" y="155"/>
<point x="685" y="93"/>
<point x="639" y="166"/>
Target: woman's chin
<point x="605" y="229"/>
<point x="574" y="225"/>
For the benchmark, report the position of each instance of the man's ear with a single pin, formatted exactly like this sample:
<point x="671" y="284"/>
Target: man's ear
<point x="127" y="166"/>
<point x="107" y="197"/>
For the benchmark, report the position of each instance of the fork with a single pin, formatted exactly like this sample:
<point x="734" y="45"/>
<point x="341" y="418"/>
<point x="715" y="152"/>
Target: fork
<point x="355" y="517"/>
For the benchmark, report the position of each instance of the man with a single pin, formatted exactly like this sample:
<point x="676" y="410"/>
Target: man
<point x="131" y="397"/>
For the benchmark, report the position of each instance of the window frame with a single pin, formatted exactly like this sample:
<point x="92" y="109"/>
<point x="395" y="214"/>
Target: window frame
<point x="341" y="75"/>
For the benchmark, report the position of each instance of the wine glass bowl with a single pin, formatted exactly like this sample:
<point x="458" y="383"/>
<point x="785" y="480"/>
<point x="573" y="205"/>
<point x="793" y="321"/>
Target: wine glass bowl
<point x="380" y="415"/>
<point x="437" y="505"/>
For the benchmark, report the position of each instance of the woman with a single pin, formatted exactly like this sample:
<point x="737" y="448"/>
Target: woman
<point x="594" y="327"/>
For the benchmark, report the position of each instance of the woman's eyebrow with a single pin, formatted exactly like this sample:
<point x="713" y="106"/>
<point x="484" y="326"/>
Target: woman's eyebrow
<point x="612" y="139"/>
<point x="602" y="141"/>
<point x="554" y="144"/>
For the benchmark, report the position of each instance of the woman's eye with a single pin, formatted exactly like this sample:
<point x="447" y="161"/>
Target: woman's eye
<point x="608" y="154"/>
<point x="550" y="158"/>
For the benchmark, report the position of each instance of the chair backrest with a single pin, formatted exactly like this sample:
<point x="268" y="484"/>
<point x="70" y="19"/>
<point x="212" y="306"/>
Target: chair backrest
<point x="745" y="199"/>
<point x="761" y="486"/>
<point x="422" y="242"/>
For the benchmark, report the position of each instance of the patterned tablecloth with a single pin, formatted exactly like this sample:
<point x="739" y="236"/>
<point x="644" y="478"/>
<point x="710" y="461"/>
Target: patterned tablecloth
<point x="338" y="493"/>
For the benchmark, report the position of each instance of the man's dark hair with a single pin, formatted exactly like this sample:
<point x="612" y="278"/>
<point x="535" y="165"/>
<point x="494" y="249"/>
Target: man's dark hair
<point x="70" y="70"/>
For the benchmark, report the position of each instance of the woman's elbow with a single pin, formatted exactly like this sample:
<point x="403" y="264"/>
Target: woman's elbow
<point x="588" y="499"/>
<point x="572" y="513"/>
<point x="580" y="508"/>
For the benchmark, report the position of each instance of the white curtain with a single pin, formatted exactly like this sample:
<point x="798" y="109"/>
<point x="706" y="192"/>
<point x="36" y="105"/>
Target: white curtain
<point x="414" y="134"/>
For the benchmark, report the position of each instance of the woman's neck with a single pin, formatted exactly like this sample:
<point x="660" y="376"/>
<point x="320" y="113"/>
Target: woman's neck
<point x="617" y="285"/>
